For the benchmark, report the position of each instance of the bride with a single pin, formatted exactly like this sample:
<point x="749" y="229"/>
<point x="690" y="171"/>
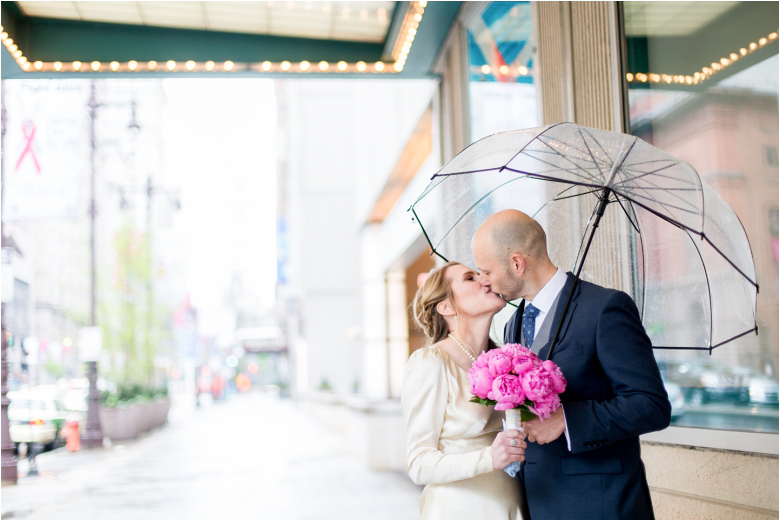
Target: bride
<point x="455" y="447"/>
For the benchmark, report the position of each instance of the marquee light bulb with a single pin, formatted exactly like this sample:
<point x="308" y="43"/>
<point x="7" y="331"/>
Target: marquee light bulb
<point x="190" y="65"/>
<point x="342" y="66"/>
<point x="304" y="66"/>
<point x="228" y="65"/>
<point x="267" y="66"/>
<point x="152" y="65"/>
<point x="38" y="65"/>
<point x="77" y="65"/>
<point x="285" y="65"/>
<point x="379" y="66"/>
<point x="132" y="65"/>
<point x="114" y="66"/>
<point x="360" y="66"/>
<point x="323" y="66"/>
<point x="170" y="65"/>
<point x="58" y="66"/>
<point x="210" y="65"/>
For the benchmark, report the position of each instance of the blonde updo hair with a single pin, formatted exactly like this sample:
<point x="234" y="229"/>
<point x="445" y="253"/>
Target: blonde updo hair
<point x="435" y="289"/>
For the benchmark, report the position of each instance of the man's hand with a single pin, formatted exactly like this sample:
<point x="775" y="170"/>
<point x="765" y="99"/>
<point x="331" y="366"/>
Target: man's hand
<point x="545" y="431"/>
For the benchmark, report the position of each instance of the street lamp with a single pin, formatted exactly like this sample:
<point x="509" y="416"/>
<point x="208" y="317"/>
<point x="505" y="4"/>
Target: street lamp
<point x="90" y="345"/>
<point x="9" y="472"/>
<point x="92" y="341"/>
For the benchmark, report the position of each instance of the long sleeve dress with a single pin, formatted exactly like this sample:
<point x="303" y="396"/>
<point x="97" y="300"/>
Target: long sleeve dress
<point x="448" y="442"/>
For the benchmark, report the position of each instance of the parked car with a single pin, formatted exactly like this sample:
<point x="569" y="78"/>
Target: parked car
<point x="703" y="381"/>
<point x="35" y="418"/>
<point x="676" y="398"/>
<point x="75" y="403"/>
<point x="763" y="391"/>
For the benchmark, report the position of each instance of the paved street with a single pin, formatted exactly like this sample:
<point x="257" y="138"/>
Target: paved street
<point x="253" y="456"/>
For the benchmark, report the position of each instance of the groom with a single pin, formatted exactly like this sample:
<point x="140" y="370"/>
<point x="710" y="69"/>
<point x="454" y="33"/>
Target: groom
<point x="583" y="462"/>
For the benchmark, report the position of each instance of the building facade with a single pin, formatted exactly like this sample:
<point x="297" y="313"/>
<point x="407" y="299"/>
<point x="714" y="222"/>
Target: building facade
<point x="644" y="68"/>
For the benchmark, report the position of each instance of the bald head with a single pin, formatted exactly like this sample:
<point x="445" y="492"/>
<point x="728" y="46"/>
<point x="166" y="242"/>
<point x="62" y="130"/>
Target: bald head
<point x="512" y="231"/>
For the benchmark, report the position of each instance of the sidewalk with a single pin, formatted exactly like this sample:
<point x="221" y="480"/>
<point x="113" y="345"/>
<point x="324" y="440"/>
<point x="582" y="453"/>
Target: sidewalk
<point x="252" y="457"/>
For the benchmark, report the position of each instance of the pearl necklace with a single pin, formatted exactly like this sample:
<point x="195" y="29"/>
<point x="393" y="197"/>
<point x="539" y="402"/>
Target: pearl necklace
<point x="469" y="352"/>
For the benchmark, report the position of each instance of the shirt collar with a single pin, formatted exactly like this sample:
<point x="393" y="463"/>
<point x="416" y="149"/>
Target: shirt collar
<point x="547" y="295"/>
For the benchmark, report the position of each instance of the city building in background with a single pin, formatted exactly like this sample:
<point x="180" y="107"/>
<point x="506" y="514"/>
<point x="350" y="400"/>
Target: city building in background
<point x="371" y="99"/>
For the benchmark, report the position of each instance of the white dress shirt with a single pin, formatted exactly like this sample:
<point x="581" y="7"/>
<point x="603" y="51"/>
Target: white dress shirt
<point x="543" y="301"/>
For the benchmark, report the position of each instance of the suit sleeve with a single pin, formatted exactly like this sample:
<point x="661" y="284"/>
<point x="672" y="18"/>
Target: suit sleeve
<point x="423" y="402"/>
<point x="639" y="403"/>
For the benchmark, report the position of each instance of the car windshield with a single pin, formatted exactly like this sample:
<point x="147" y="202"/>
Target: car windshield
<point x="33" y="405"/>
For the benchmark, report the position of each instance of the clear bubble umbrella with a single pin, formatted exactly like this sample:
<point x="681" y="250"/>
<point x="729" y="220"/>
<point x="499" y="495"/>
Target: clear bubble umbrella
<point x="692" y="270"/>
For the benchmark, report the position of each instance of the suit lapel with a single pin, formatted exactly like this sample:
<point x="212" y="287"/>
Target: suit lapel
<point x="559" y="311"/>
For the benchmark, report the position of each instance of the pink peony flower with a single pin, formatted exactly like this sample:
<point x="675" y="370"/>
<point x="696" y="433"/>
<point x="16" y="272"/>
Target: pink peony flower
<point x="499" y="362"/>
<point x="544" y="408"/>
<point x="481" y="380"/>
<point x="558" y="381"/>
<point x="507" y="391"/>
<point x="538" y="384"/>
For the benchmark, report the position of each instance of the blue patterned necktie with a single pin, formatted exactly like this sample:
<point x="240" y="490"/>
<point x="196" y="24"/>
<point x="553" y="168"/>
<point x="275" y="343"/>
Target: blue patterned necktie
<point x="529" y="324"/>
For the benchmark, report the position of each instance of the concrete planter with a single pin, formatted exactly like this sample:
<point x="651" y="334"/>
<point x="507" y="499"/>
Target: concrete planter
<point x="127" y="422"/>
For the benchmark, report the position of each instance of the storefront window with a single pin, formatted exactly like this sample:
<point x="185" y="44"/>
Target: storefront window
<point x="702" y="83"/>
<point x="502" y="95"/>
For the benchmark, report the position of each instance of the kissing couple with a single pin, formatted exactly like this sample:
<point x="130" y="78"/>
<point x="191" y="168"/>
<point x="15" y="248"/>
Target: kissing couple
<point x="583" y="462"/>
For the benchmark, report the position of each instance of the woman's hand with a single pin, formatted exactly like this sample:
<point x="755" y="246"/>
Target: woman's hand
<point x="503" y="451"/>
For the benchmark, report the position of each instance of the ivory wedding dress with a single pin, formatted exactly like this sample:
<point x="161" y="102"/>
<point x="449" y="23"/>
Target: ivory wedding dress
<point x="448" y="441"/>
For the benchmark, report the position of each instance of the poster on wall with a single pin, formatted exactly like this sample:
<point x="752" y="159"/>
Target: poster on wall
<point x="46" y="149"/>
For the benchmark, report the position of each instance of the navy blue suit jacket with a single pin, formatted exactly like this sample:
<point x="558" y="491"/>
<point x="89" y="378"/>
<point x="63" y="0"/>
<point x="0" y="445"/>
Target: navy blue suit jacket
<point x="614" y="393"/>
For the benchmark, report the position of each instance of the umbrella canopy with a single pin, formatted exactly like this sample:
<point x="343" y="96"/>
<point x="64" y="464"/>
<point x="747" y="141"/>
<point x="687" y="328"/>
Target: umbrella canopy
<point x="690" y="264"/>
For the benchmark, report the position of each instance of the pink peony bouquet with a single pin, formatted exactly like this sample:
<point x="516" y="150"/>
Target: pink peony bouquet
<point x="513" y="377"/>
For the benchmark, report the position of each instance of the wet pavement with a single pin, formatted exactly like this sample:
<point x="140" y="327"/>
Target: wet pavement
<point x="253" y="456"/>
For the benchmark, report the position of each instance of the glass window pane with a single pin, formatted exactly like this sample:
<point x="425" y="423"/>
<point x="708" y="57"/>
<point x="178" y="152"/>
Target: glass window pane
<point x="703" y="86"/>
<point x="502" y="95"/>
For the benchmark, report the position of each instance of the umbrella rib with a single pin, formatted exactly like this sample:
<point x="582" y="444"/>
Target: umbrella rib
<point x="463" y="216"/>
<point x="531" y="141"/>
<point x="558" y="153"/>
<point x="685" y="348"/>
<point x="559" y="167"/>
<point x="709" y="287"/>
<point x="598" y="143"/>
<point x="637" y="187"/>
<point x="577" y="149"/>
<point x="729" y="260"/>
<point x="433" y="249"/>
<point x="755" y="329"/>
<point x="637" y="190"/>
<point x="553" y="179"/>
<point x="579" y="129"/>
<point x="701" y="234"/>
<point x="555" y="153"/>
<point x="466" y="172"/>
<point x="665" y="205"/>
<point x="558" y="198"/>
<point x="654" y="172"/>
<point x="626" y="212"/>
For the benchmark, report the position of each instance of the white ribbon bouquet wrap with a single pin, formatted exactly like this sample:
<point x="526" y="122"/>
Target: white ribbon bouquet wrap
<point x="513" y="379"/>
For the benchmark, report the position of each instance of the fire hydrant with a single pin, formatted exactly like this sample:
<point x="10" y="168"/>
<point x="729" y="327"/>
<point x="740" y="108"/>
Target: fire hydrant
<point x="72" y="439"/>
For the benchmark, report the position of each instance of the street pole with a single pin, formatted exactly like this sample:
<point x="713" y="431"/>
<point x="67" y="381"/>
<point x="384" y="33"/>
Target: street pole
<point x="9" y="472"/>
<point x="93" y="433"/>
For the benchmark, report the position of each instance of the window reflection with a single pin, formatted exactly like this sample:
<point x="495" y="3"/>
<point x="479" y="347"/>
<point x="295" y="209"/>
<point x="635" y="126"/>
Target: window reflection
<point x="501" y="89"/>
<point x="703" y="86"/>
